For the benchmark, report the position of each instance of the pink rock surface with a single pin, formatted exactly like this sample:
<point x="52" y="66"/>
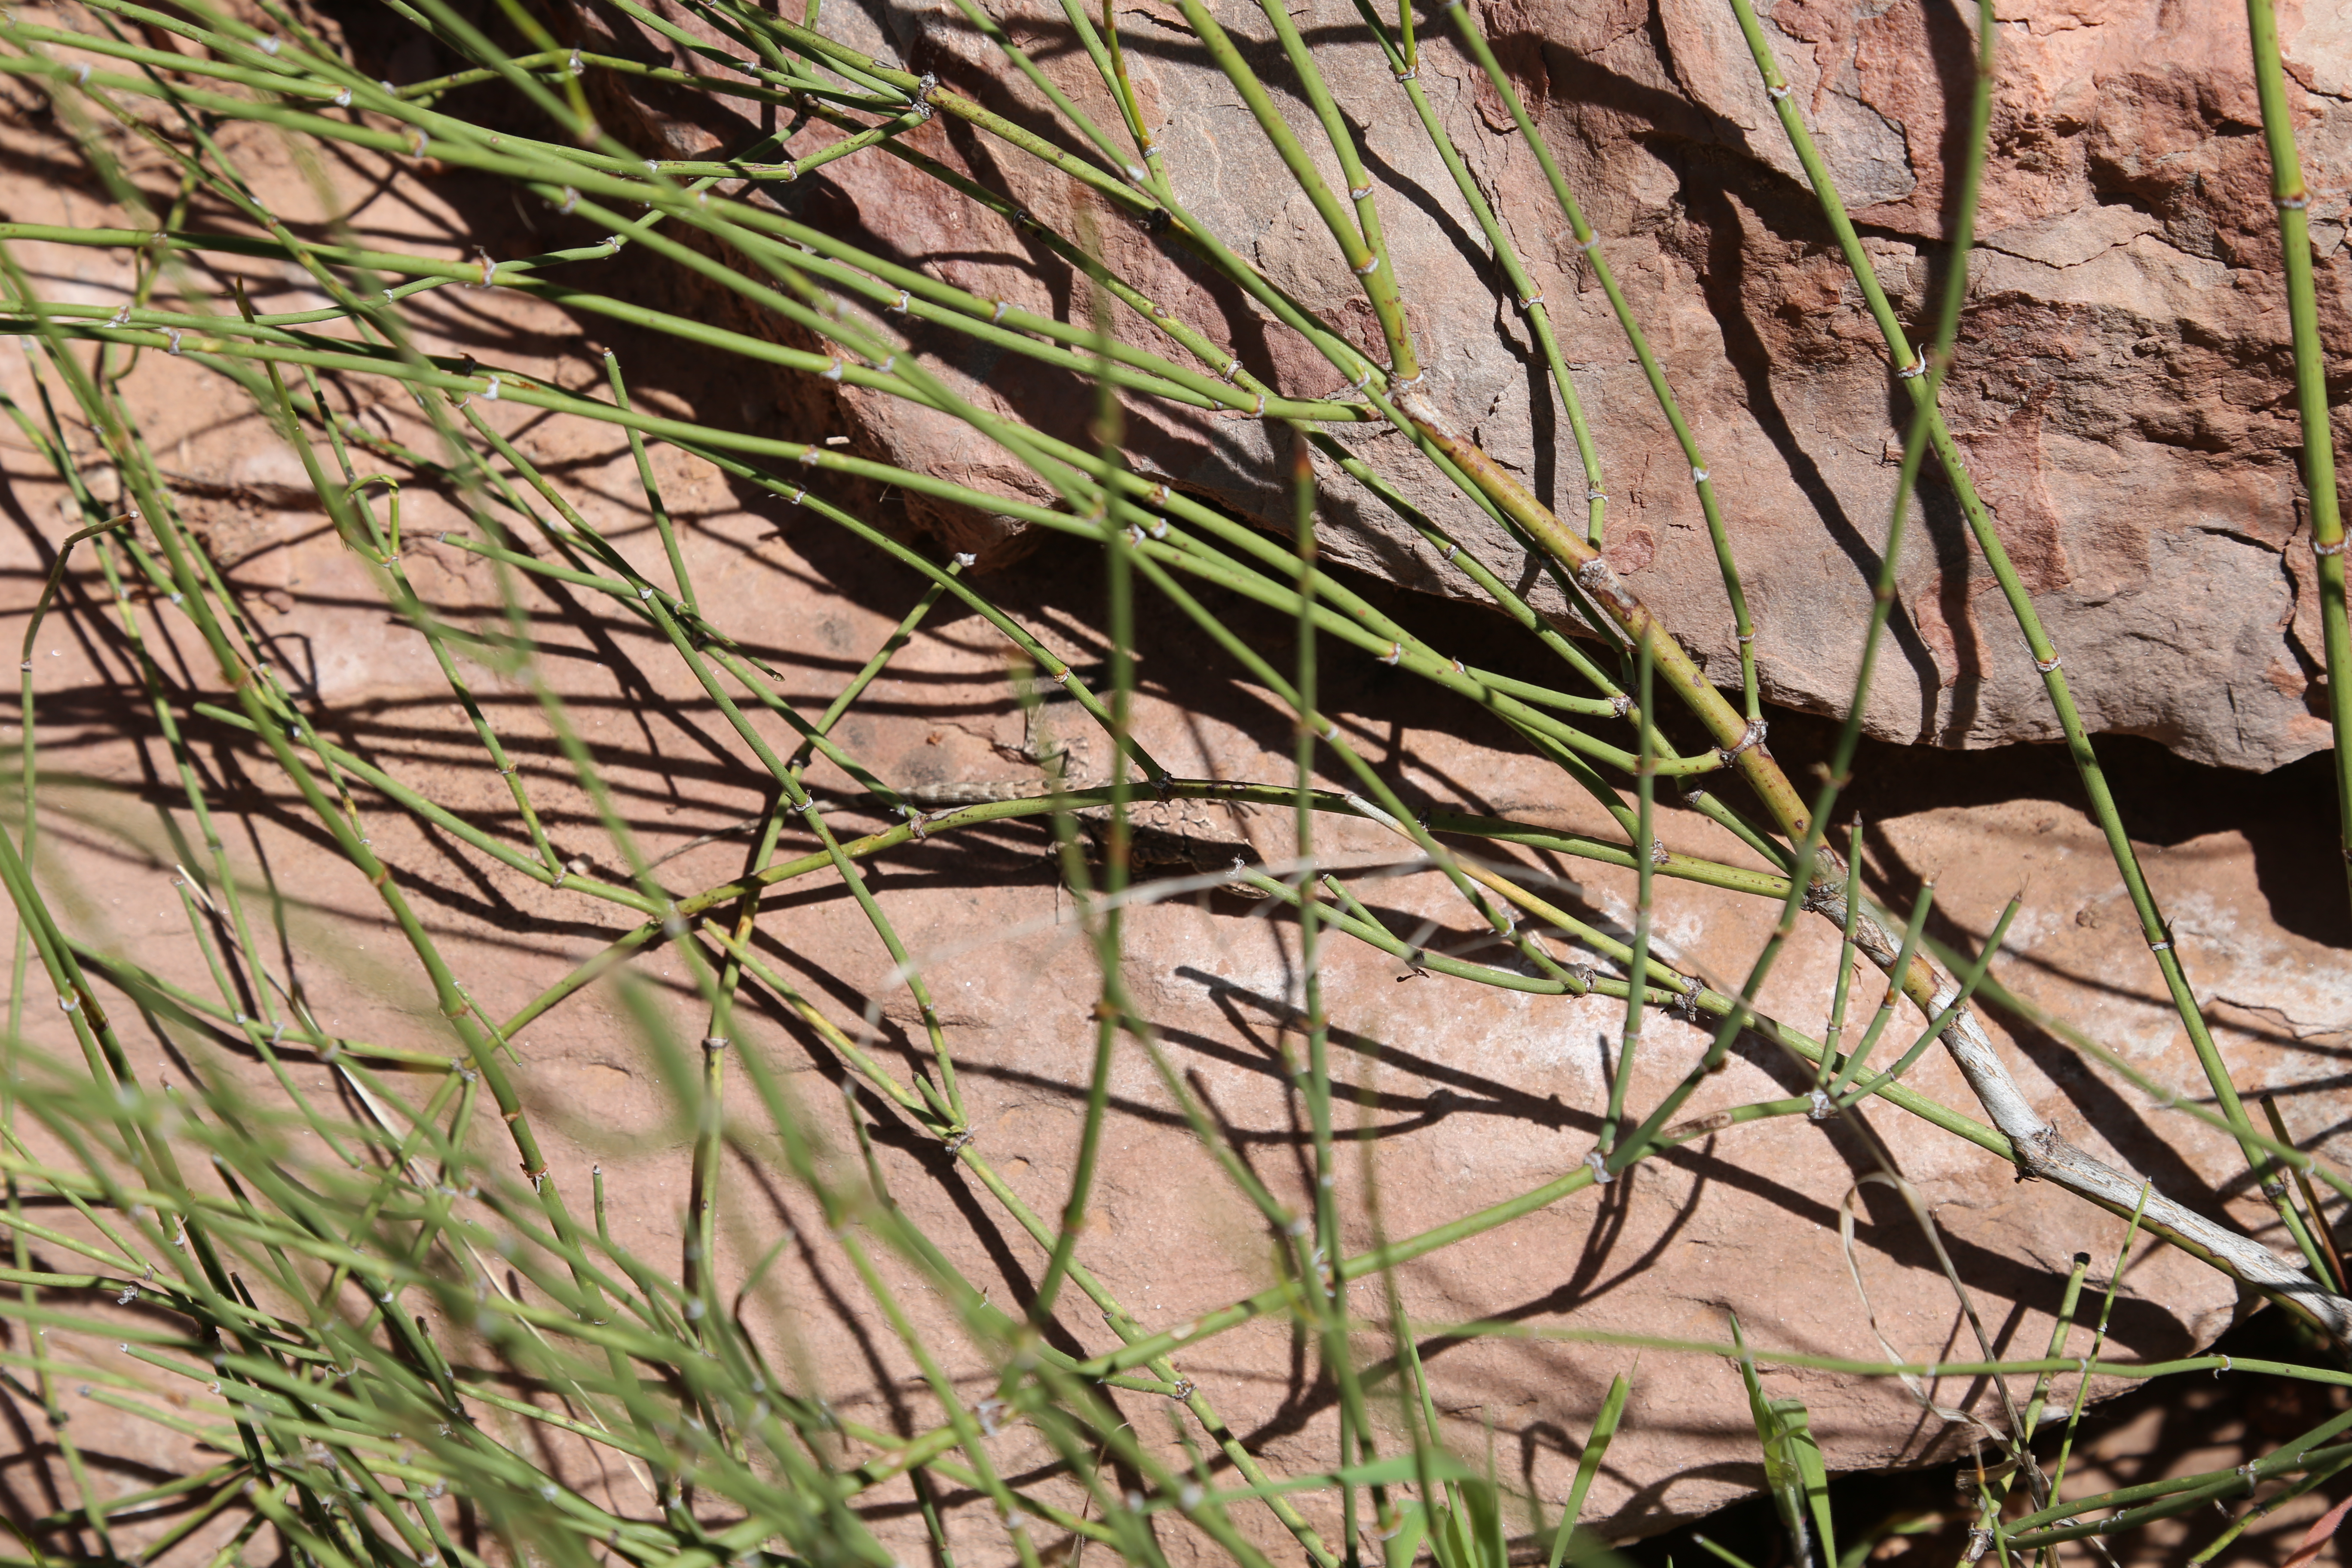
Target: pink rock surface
<point x="1471" y="1096"/>
<point x="1478" y="1095"/>
<point x="2121" y="387"/>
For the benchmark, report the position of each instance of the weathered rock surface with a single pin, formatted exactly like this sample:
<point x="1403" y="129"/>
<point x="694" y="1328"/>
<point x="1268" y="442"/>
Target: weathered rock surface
<point x="1480" y="1095"/>
<point x="1476" y="1095"/>
<point x="2121" y="390"/>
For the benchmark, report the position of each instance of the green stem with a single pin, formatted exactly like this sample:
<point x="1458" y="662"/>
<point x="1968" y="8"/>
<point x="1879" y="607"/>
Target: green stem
<point x="2154" y="929"/>
<point x="1474" y="43"/>
<point x="1372" y="268"/>
<point x="2293" y="198"/>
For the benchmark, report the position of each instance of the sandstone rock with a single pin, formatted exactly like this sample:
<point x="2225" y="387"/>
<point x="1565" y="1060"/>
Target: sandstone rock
<point x="2121" y="386"/>
<point x="1472" y="1096"/>
<point x="1480" y="1095"/>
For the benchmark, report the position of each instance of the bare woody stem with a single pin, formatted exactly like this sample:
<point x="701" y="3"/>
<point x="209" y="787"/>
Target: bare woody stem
<point x="1739" y="739"/>
<point x="1920" y="388"/>
<point x="2040" y="1152"/>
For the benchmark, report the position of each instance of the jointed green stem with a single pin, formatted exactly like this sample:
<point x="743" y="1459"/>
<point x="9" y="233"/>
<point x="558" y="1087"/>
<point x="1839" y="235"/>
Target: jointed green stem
<point x="1356" y="242"/>
<point x="1474" y="42"/>
<point x="652" y="1368"/>
<point x="1922" y="389"/>
<point x="1637" y="967"/>
<point x="1525" y="295"/>
<point x="2294" y="201"/>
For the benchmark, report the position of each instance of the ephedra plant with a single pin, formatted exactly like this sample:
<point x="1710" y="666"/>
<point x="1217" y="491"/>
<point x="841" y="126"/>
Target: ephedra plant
<point x="320" y="1313"/>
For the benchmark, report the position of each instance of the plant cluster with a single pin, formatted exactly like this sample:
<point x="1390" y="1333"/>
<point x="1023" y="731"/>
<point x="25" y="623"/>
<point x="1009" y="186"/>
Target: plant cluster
<point x="331" y="1306"/>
